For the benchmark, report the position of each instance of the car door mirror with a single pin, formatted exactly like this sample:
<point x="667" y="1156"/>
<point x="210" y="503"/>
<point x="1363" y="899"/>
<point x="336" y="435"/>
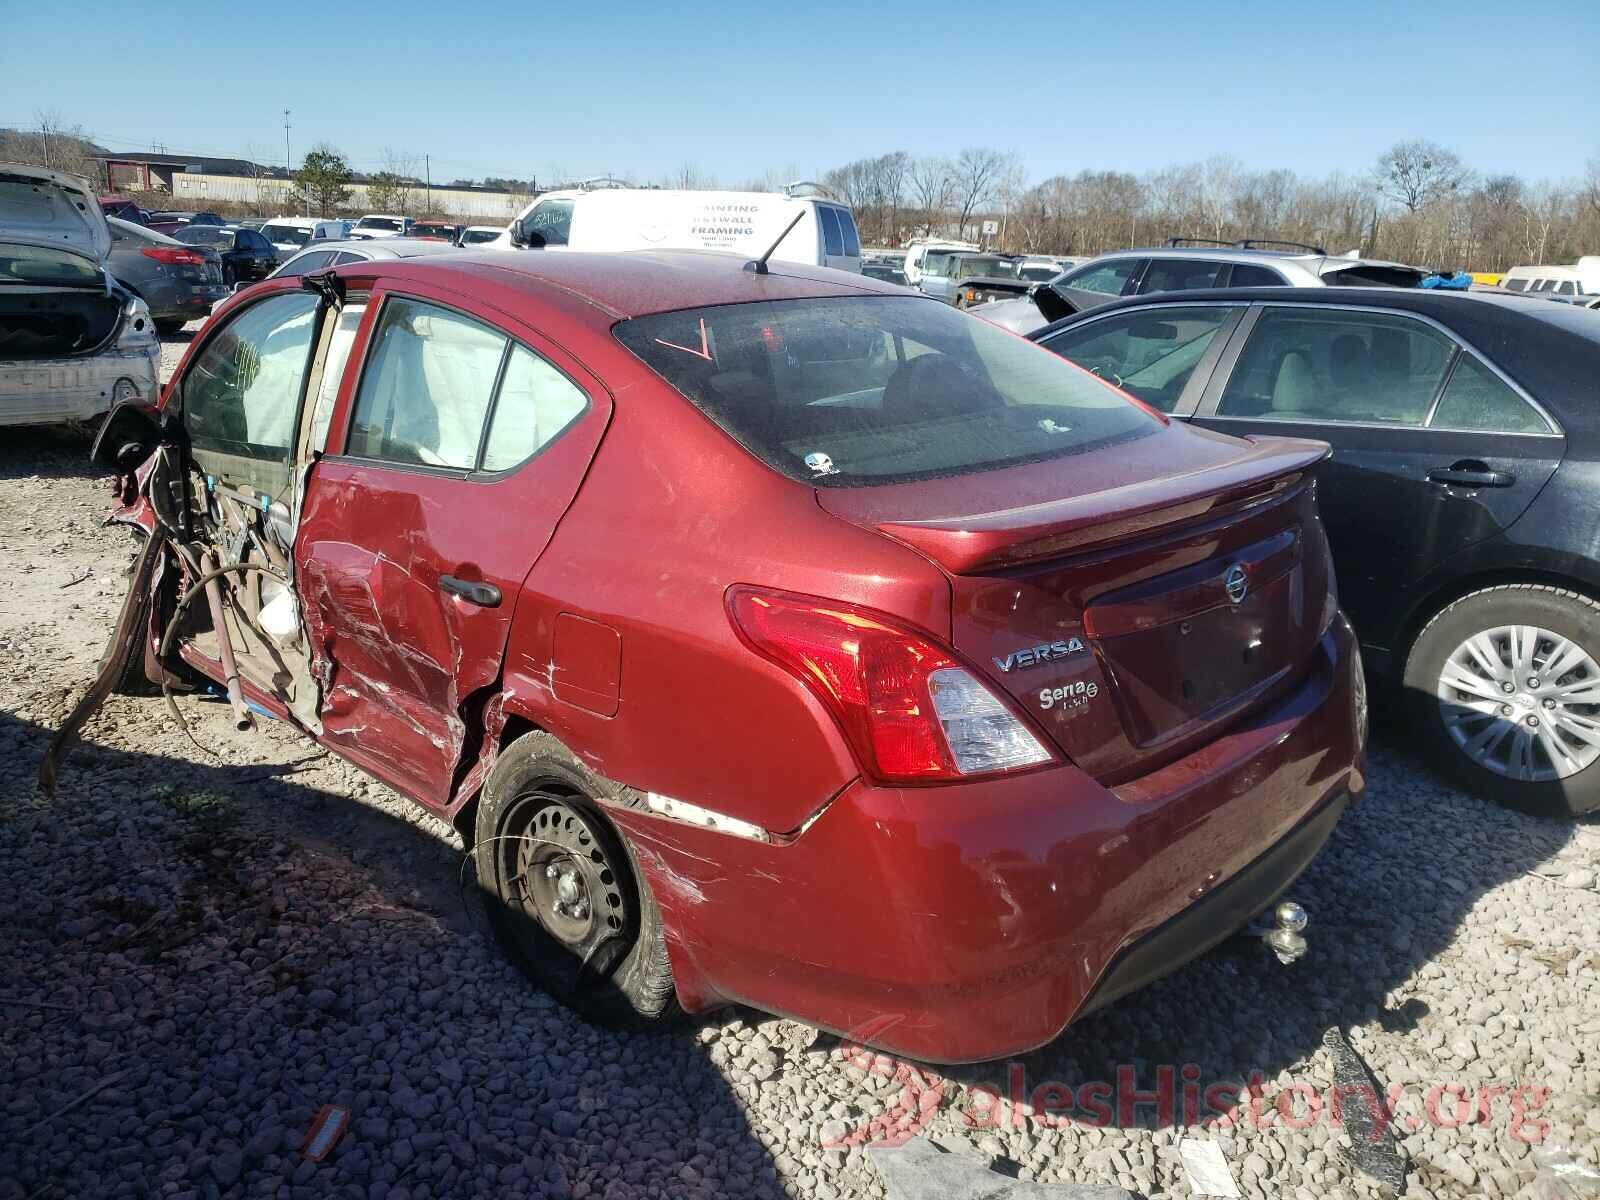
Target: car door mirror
<point x="127" y="436"/>
<point x="524" y="235"/>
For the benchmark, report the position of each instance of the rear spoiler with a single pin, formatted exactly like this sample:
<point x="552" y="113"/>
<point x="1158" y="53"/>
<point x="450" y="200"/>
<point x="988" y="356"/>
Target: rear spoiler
<point x="1011" y="537"/>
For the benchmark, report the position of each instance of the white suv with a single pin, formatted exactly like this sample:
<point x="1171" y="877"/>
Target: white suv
<point x="1180" y="266"/>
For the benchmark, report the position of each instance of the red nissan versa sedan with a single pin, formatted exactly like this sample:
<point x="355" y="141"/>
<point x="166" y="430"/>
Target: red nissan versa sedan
<point x="773" y="636"/>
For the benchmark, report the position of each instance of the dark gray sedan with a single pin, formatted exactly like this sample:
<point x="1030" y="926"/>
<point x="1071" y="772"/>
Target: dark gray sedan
<point x="179" y="283"/>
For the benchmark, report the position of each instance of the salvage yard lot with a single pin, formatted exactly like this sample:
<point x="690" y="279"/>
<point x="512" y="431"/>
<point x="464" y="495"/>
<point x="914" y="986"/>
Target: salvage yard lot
<point x="201" y="950"/>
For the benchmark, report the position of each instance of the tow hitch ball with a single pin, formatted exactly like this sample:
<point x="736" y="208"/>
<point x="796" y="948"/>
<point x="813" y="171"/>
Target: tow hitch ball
<point x="1285" y="937"/>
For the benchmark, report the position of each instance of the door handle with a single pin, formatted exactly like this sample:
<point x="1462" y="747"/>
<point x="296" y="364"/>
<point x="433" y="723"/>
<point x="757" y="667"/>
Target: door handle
<point x="484" y="595"/>
<point x="1471" y="473"/>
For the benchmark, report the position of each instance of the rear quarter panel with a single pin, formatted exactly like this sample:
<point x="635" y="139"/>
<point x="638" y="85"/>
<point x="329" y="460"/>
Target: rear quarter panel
<point x="671" y="514"/>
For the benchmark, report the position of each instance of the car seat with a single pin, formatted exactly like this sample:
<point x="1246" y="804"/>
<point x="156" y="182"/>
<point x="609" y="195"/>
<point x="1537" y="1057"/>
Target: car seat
<point x="1294" y="389"/>
<point x="932" y="386"/>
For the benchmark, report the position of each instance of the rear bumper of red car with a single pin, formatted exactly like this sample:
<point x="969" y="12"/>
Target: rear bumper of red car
<point x="965" y="923"/>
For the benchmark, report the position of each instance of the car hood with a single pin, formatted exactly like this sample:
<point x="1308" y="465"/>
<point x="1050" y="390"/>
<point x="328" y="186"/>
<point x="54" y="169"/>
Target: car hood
<point x="1021" y="315"/>
<point x="40" y="207"/>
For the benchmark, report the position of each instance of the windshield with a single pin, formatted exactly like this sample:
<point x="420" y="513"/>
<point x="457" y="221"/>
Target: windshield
<point x="1041" y="272"/>
<point x="286" y="234"/>
<point x="851" y="391"/>
<point x="40" y="264"/>
<point x="205" y="235"/>
<point x="379" y="223"/>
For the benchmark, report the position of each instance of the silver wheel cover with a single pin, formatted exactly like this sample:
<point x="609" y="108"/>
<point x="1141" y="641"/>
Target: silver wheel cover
<point x="1522" y="702"/>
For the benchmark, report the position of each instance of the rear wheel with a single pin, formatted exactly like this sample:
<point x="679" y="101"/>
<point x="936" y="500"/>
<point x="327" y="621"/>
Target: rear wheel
<point x="566" y="899"/>
<point x="170" y="325"/>
<point x="1505" y="686"/>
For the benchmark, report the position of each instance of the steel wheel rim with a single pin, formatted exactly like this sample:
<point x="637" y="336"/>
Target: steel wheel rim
<point x="563" y="876"/>
<point x="1523" y="702"/>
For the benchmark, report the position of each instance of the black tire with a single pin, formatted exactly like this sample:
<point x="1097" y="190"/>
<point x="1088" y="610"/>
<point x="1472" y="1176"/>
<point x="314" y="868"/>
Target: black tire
<point x="170" y="325"/>
<point x="616" y="971"/>
<point x="130" y="678"/>
<point x="1557" y="610"/>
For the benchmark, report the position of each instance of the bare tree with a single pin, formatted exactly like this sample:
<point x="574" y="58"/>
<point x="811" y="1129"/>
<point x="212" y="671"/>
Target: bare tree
<point x="394" y="188"/>
<point x="931" y="183"/>
<point x="973" y="178"/>
<point x="1413" y="173"/>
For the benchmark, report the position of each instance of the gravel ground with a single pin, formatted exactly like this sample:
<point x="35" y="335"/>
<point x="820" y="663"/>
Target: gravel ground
<point x="202" y="951"/>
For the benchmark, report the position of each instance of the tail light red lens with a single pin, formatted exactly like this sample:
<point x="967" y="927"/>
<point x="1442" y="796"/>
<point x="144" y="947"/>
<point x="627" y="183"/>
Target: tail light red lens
<point x="174" y="257"/>
<point x="912" y="712"/>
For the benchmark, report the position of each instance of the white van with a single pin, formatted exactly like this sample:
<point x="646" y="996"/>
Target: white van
<point x="290" y="235"/>
<point x="918" y="250"/>
<point x="1582" y="278"/>
<point x="745" y="223"/>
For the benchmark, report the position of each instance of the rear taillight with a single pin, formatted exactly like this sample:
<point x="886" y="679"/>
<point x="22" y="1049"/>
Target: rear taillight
<point x="173" y="256"/>
<point x="912" y="712"/>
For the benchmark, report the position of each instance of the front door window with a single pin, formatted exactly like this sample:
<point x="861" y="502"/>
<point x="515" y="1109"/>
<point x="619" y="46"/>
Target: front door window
<point x="1149" y="353"/>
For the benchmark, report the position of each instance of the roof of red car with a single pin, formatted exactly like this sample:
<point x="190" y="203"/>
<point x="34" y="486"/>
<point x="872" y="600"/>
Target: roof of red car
<point x="636" y="283"/>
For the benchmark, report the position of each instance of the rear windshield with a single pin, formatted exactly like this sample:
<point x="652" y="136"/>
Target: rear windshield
<point x="1372" y="275"/>
<point x="205" y="235"/>
<point x="852" y="391"/>
<point x="379" y="223"/>
<point x="39" y="264"/>
<point x="286" y="234"/>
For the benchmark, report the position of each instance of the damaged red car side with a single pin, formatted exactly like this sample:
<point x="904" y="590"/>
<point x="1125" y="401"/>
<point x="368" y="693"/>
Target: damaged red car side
<point x="771" y="635"/>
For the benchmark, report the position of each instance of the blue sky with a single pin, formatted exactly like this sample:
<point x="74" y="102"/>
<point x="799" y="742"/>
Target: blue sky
<point x="737" y="90"/>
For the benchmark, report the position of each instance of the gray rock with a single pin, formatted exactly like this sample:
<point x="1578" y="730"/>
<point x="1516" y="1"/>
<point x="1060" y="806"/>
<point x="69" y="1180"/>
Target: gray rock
<point x="919" y="1170"/>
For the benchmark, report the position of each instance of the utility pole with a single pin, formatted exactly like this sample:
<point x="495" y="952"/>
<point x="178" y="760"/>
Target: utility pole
<point x="288" y="168"/>
<point x="427" y="175"/>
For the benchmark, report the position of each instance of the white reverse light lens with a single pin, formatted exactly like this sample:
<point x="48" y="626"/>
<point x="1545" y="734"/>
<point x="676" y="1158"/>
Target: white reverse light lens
<point x="981" y="732"/>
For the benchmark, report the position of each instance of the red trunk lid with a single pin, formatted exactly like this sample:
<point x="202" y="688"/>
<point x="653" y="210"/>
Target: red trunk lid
<point x="1133" y="600"/>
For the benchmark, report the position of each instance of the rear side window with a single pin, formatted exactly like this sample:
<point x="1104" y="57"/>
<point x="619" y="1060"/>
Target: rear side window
<point x="240" y="396"/>
<point x="1317" y="364"/>
<point x="847" y="228"/>
<point x="1247" y="275"/>
<point x="426" y="387"/>
<point x="844" y="392"/>
<point x="832" y="240"/>
<point x="1478" y="399"/>
<point x="1179" y="275"/>
<point x="535" y="404"/>
<point x="1514" y="285"/>
<point x="304" y="264"/>
<point x="1108" y="279"/>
